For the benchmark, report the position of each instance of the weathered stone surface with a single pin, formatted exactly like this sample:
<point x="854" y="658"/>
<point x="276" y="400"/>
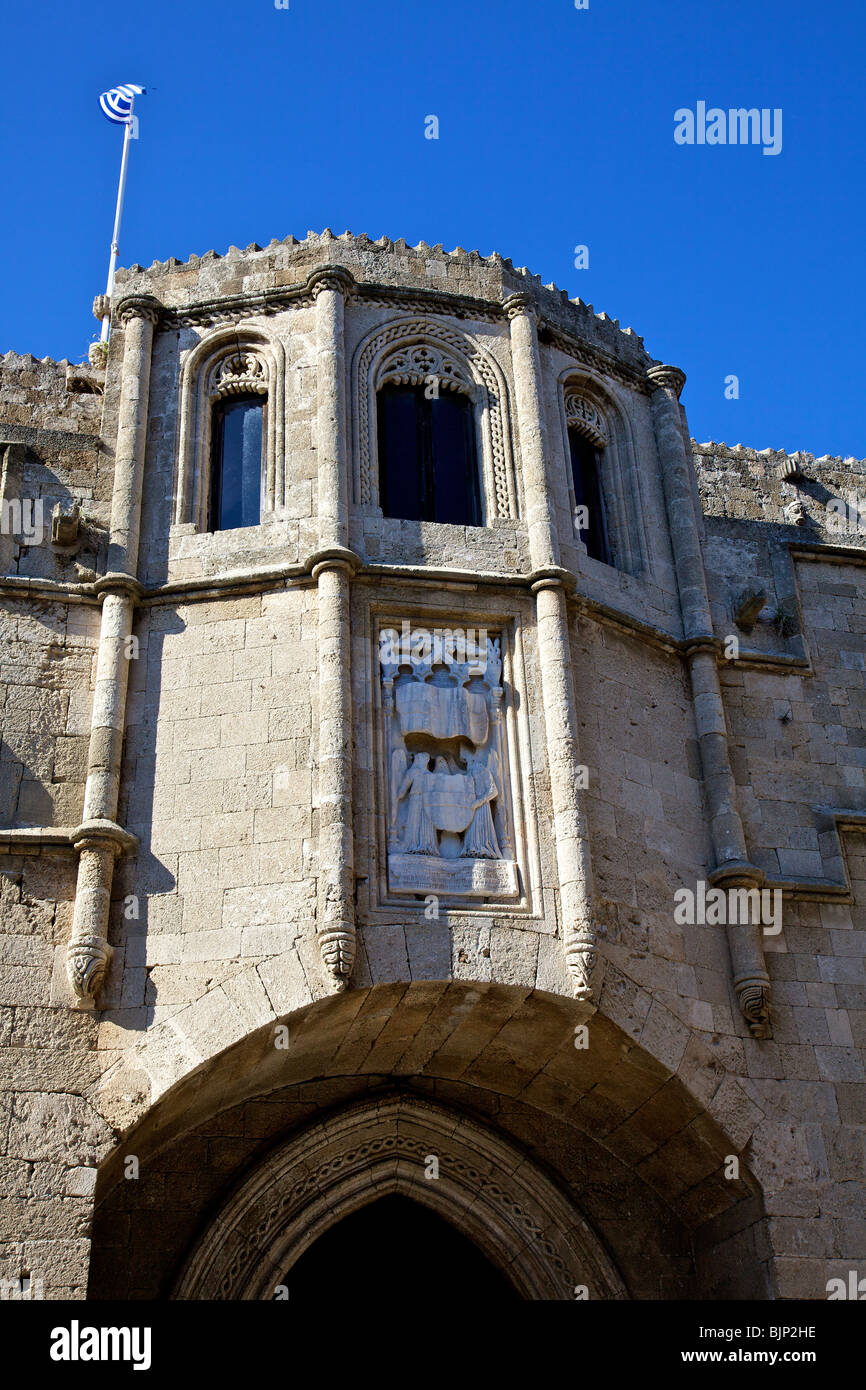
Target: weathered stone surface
<point x="233" y="717"/>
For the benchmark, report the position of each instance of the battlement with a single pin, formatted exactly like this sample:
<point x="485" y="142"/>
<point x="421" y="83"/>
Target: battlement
<point x="383" y="262"/>
<point x="39" y="393"/>
<point x="777" y="488"/>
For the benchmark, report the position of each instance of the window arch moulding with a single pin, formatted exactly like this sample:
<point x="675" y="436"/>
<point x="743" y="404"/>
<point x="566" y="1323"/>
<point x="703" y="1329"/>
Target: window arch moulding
<point x="588" y="407"/>
<point x="241" y="361"/>
<point x="411" y="351"/>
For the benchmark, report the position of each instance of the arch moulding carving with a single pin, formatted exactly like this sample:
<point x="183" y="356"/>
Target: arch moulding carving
<point x="589" y="406"/>
<point x="396" y="351"/>
<point x="241" y="359"/>
<point x="491" y="1191"/>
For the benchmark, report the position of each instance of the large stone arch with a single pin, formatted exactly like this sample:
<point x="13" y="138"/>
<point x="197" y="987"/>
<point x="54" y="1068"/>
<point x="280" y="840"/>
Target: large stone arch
<point x="637" y="1154"/>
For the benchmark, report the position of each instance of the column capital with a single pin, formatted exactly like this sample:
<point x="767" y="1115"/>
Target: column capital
<point x="336" y="557"/>
<point x="116" y="582"/>
<point x="552" y="577"/>
<point x="519" y="303"/>
<point x="665" y="377"/>
<point x="331" y="277"/>
<point x="103" y="834"/>
<point x="139" y="306"/>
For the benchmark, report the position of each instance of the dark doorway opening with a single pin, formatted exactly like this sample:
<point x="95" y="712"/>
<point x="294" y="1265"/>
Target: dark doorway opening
<point x="395" y="1250"/>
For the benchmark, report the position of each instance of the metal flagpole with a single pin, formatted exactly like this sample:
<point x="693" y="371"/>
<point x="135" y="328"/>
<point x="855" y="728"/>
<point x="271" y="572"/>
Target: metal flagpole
<point x="118" y="213"/>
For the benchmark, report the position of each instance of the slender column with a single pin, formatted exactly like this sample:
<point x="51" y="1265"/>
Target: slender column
<point x="333" y="573"/>
<point x="732" y="866"/>
<point x="574" y="870"/>
<point x="526" y="364"/>
<point x="99" y="839"/>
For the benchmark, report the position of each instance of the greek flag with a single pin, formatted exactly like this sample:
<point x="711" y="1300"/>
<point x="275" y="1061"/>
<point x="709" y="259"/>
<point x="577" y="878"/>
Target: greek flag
<point x="117" y="104"/>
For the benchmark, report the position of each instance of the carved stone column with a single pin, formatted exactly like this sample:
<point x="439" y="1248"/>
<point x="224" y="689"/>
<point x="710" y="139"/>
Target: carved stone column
<point x="732" y="867"/>
<point x="99" y="839"/>
<point x="333" y="571"/>
<point x="554" y="654"/>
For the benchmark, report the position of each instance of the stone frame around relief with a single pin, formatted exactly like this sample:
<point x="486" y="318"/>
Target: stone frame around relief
<point x="465" y="884"/>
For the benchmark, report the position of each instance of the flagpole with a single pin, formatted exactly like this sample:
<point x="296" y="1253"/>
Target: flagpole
<point x="118" y="213"/>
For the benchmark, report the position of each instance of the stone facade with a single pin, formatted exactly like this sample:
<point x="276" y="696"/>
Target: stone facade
<point x="249" y="934"/>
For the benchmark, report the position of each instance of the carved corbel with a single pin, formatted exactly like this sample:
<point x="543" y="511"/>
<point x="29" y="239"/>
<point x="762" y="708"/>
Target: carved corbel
<point x="98" y="843"/>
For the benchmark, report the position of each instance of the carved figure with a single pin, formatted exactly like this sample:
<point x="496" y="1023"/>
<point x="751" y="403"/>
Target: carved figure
<point x="480" y="841"/>
<point x="419" y="834"/>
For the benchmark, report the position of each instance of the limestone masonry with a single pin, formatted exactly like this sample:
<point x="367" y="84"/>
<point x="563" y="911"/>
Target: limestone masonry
<point x="339" y="841"/>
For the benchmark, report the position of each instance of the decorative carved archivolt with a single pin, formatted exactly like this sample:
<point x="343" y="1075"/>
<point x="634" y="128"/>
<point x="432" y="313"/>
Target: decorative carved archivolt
<point x="486" y="1187"/>
<point x="239" y="374"/>
<point x="230" y="361"/>
<point x="588" y="405"/>
<point x="466" y="367"/>
<point x="587" y="418"/>
<point x="445" y="764"/>
<point x="417" y="364"/>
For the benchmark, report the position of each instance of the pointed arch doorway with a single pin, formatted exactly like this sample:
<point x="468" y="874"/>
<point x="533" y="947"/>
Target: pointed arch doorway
<point x="395" y="1250"/>
<point x="492" y="1195"/>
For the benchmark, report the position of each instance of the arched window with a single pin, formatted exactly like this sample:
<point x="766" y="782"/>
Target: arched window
<point x="231" y="443"/>
<point x="428" y="463"/>
<point x="458" y="404"/>
<point x="237" y="431"/>
<point x="590" y="519"/>
<point x="238" y="392"/>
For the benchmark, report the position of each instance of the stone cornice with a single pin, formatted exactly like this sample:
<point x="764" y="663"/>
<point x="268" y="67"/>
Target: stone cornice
<point x="35" y="839"/>
<point x="413" y="299"/>
<point x="590" y="355"/>
<point x="232" y="308"/>
<point x="47" y="590"/>
<point x="239" y="582"/>
<point x="92" y="834"/>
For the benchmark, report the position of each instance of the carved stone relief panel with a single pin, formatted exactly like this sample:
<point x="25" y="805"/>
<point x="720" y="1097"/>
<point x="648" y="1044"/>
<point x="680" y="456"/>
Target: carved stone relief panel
<point x="447" y="782"/>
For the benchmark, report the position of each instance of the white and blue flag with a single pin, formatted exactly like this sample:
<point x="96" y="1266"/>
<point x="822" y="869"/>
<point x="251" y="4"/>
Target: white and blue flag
<point x="117" y="104"/>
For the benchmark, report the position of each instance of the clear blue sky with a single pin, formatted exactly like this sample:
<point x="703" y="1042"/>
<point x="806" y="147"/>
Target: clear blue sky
<point x="556" y="129"/>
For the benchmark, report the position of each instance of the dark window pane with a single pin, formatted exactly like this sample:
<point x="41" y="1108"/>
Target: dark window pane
<point x="236" y="487"/>
<point x="455" y="471"/>
<point x="428" y="469"/>
<point x="585" y="473"/>
<point x="401" y="481"/>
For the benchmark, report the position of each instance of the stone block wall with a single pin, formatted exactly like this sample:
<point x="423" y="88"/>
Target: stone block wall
<point x="215" y="914"/>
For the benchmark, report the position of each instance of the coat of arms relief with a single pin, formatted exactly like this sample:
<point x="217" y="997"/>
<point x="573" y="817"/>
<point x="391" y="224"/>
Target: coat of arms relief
<point x="449" y="812"/>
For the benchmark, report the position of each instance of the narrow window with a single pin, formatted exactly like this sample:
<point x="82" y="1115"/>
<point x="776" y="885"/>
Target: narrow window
<point x="585" y="472"/>
<point x="236" y="475"/>
<point x="428" y="465"/>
